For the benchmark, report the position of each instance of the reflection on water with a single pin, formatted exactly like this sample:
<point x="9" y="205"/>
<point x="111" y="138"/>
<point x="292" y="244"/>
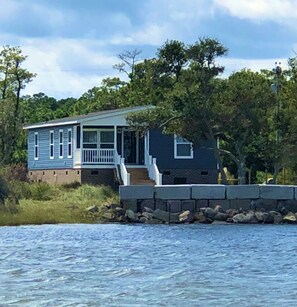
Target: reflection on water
<point x="148" y="265"/>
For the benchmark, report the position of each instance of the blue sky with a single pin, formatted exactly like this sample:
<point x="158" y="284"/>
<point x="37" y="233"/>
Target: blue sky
<point x="73" y="44"/>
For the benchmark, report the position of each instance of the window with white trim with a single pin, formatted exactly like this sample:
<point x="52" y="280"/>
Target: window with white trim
<point x="36" y="149"/>
<point x="51" y="149"/>
<point x="60" y="144"/>
<point x="90" y="138"/>
<point x="69" y="143"/>
<point x="107" y="139"/>
<point x="183" y="149"/>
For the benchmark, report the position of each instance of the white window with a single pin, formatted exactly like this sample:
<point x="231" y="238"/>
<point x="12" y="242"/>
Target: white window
<point x="61" y="144"/>
<point x="183" y="149"/>
<point x="90" y="139"/>
<point x="36" y="150"/>
<point x="69" y="143"/>
<point x="51" y="149"/>
<point x="107" y="139"/>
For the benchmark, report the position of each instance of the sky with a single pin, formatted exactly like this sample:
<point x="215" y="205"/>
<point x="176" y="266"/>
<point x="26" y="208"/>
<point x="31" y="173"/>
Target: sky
<point x="73" y="44"/>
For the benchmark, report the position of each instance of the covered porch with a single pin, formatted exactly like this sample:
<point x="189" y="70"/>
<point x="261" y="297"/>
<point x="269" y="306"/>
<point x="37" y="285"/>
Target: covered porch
<point x="114" y="147"/>
<point x="102" y="146"/>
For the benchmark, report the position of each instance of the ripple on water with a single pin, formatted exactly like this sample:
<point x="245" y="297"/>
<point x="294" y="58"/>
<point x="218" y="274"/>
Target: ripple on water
<point x="150" y="265"/>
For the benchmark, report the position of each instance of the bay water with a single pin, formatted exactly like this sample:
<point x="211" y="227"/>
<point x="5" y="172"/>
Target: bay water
<point x="148" y="265"/>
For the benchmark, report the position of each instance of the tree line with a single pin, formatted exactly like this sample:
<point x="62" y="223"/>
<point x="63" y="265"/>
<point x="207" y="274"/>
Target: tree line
<point x="248" y="118"/>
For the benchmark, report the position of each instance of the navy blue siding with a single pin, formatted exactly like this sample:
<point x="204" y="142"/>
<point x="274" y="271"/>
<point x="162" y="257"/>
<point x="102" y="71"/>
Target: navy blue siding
<point x="44" y="161"/>
<point x="162" y="148"/>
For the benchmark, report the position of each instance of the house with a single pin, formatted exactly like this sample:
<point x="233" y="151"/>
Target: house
<point x="99" y="148"/>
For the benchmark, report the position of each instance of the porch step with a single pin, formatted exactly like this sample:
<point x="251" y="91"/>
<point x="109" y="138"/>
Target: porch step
<point x="139" y="176"/>
<point x="143" y="182"/>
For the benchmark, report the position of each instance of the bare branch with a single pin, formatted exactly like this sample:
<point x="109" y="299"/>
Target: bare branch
<point x="170" y="120"/>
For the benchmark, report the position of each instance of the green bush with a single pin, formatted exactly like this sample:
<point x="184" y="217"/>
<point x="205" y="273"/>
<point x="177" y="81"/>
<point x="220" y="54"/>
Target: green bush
<point x="20" y="189"/>
<point x="8" y="200"/>
<point x="71" y="185"/>
<point x="90" y="191"/>
<point x="41" y="191"/>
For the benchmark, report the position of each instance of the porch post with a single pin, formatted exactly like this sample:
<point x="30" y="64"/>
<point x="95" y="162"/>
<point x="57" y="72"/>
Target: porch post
<point x="115" y="139"/>
<point x="81" y="144"/>
<point x="146" y="148"/>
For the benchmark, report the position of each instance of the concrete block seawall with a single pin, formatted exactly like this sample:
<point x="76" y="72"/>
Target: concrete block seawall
<point x="177" y="198"/>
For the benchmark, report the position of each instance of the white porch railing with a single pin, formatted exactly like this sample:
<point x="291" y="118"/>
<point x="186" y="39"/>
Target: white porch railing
<point x="98" y="156"/>
<point x="122" y="171"/>
<point x="153" y="171"/>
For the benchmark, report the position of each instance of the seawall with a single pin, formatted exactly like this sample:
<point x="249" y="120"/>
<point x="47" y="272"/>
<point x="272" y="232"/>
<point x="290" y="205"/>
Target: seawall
<point x="179" y="198"/>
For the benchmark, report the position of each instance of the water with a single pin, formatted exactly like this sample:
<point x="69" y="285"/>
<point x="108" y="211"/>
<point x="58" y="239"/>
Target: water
<point x="148" y="265"/>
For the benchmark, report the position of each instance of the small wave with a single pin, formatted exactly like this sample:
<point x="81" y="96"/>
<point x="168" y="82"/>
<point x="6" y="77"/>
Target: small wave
<point x="126" y="272"/>
<point x="170" y="275"/>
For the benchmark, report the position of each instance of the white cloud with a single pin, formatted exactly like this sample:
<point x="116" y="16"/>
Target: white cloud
<point x="165" y="19"/>
<point x="151" y="34"/>
<point x="279" y="11"/>
<point x="177" y="10"/>
<point x="234" y="64"/>
<point x="69" y="67"/>
<point x="66" y="67"/>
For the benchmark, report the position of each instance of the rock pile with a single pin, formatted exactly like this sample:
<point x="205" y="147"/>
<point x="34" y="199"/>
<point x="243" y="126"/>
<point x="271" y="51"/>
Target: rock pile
<point x="207" y="215"/>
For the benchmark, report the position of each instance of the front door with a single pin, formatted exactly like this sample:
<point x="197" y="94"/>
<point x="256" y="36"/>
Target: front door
<point x="133" y="147"/>
<point x="130" y="147"/>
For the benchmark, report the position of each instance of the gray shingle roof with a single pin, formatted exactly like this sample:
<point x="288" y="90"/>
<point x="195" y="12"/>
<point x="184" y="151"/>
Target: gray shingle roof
<point x="81" y="118"/>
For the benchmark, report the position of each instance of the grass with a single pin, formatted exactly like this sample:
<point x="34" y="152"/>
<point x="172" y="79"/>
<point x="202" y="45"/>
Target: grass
<point x="40" y="203"/>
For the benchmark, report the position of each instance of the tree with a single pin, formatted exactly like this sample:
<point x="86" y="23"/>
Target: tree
<point x="129" y="60"/>
<point x="13" y="79"/>
<point x="247" y="105"/>
<point x="188" y="107"/>
<point x="173" y="57"/>
<point x="289" y="106"/>
<point x="42" y="105"/>
<point x="105" y="97"/>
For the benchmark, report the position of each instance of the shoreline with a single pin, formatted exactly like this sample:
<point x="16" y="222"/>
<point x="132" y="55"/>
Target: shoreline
<point x="205" y="215"/>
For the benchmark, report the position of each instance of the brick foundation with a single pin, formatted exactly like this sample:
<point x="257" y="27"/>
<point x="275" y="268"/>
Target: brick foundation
<point x="62" y="176"/>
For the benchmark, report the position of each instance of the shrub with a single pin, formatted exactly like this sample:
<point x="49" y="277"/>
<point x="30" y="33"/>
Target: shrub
<point x="41" y="191"/>
<point x="71" y="185"/>
<point x="90" y="191"/>
<point x="8" y="200"/>
<point x="20" y="189"/>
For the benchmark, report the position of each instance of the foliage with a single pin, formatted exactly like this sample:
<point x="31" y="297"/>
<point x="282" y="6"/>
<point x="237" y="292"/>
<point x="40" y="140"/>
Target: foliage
<point x="247" y="104"/>
<point x="187" y="76"/>
<point x="13" y="79"/>
<point x="42" y="191"/>
<point x="252" y="114"/>
<point x="105" y="97"/>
